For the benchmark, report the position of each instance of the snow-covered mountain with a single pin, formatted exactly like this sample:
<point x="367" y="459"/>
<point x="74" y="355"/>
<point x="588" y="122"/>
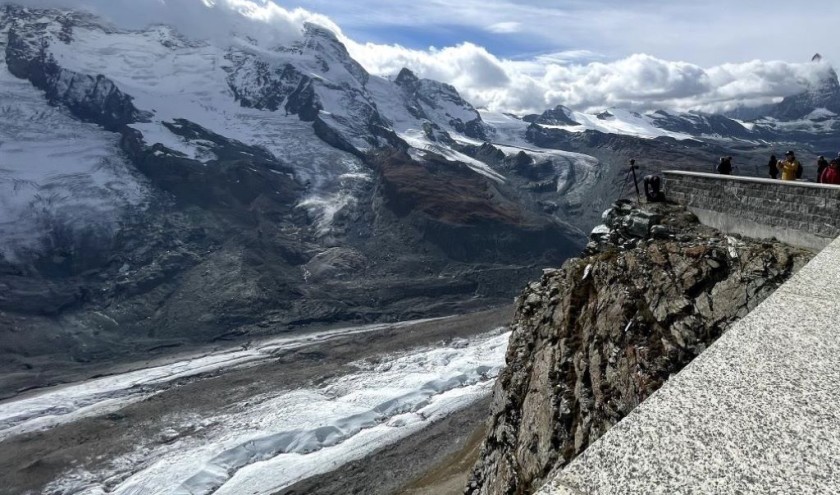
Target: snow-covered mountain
<point x="258" y="96"/>
<point x="174" y="189"/>
<point x="824" y="95"/>
<point x="808" y="117"/>
<point x="311" y="109"/>
<point x="157" y="188"/>
<point x="303" y="104"/>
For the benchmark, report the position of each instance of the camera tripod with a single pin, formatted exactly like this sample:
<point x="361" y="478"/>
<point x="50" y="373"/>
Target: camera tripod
<point x="632" y="172"/>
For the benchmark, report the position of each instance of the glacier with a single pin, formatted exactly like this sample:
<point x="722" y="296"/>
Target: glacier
<point x="275" y="439"/>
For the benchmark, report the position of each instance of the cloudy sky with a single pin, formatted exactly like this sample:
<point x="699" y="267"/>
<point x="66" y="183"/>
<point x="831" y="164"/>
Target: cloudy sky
<point x="528" y="55"/>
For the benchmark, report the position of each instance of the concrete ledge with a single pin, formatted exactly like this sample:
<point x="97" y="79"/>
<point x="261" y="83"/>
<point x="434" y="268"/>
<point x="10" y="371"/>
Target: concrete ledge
<point x="757" y="413"/>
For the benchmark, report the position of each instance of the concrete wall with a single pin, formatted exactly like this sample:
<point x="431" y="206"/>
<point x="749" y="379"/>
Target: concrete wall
<point x="802" y="214"/>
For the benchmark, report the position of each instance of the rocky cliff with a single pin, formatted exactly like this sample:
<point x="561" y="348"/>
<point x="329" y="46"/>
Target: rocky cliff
<point x="593" y="339"/>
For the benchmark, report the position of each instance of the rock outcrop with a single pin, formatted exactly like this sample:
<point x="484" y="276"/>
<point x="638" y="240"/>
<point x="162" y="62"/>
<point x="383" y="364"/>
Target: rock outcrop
<point x="593" y="339"/>
<point x="558" y="115"/>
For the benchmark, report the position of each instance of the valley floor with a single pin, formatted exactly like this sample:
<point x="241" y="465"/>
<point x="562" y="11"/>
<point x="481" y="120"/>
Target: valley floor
<point x="389" y="403"/>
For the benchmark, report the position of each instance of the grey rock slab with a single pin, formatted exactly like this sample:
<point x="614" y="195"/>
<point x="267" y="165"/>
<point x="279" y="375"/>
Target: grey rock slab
<point x="757" y="413"/>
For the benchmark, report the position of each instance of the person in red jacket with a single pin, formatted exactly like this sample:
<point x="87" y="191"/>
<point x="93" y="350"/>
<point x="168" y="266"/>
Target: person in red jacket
<point x="831" y="175"/>
<point x="822" y="164"/>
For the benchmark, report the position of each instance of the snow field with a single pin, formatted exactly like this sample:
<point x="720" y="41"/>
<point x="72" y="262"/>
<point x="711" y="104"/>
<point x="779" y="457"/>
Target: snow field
<point x="174" y="79"/>
<point x="55" y="169"/>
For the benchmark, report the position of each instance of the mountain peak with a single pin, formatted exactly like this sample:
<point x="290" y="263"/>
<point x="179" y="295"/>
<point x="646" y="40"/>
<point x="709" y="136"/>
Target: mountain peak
<point x="825" y="93"/>
<point x="559" y="115"/>
<point x="312" y="30"/>
<point x="829" y="83"/>
<point x="406" y="78"/>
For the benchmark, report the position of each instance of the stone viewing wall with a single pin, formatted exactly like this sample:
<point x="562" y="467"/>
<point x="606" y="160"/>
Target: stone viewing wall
<point x="803" y="214"/>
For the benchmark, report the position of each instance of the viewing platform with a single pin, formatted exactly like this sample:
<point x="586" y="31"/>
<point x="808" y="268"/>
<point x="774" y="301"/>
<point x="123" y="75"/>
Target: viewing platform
<point x="759" y="411"/>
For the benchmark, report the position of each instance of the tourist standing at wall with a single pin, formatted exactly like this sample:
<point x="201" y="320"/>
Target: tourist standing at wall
<point x="831" y="175"/>
<point x="822" y="164"/>
<point x="790" y="167"/>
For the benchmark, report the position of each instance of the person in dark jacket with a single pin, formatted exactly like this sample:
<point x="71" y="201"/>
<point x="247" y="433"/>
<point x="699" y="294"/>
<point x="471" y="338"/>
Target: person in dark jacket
<point x="799" y="168"/>
<point x="653" y="189"/>
<point x="725" y="165"/>
<point x="773" y="168"/>
<point x="831" y="175"/>
<point x="822" y="164"/>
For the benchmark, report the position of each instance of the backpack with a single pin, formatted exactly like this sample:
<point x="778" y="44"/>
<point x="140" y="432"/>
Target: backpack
<point x="724" y="167"/>
<point x="798" y="169"/>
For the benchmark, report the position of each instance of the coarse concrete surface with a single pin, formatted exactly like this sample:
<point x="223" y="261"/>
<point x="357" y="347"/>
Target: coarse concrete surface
<point x="757" y="413"/>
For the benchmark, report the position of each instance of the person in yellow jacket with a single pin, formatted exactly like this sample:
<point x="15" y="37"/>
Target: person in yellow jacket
<point x="789" y="167"/>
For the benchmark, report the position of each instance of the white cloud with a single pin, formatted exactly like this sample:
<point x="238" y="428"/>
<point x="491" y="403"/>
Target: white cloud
<point x="507" y="27"/>
<point x="640" y="82"/>
<point x="577" y="78"/>
<point x="464" y="66"/>
<point x="263" y="20"/>
<point x="703" y="32"/>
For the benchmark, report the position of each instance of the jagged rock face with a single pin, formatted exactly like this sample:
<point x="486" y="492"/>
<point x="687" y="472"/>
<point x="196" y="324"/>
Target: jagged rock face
<point x="458" y="210"/>
<point x="259" y="83"/>
<point x="595" y="338"/>
<point x="699" y="125"/>
<point x="313" y="75"/>
<point x="558" y="115"/>
<point x="440" y="102"/>
<point x="273" y="87"/>
<point x="90" y="98"/>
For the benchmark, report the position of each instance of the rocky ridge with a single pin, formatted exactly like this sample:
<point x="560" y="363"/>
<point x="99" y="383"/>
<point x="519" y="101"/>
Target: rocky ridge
<point x="593" y="339"/>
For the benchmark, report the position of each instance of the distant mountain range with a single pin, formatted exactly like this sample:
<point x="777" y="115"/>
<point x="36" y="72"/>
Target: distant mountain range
<point x="156" y="189"/>
<point x="811" y="117"/>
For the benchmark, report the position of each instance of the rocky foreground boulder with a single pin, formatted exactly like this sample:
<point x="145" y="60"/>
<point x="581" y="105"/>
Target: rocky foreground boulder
<point x="595" y="338"/>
